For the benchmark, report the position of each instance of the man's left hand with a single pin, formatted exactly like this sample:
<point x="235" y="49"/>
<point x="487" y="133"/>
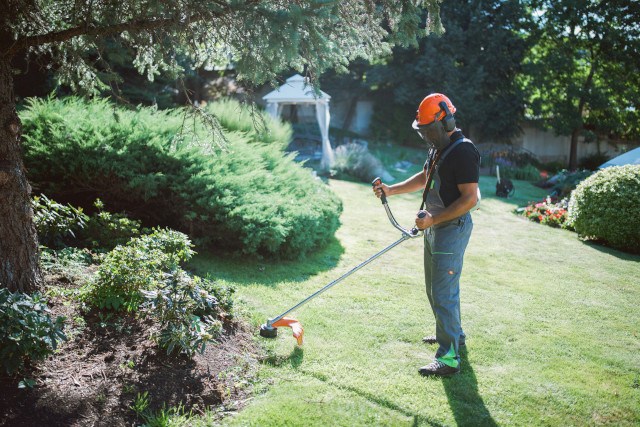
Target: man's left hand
<point x="425" y="222"/>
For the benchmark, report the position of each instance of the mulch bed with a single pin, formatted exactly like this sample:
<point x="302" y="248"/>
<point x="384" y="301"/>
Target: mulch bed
<point x="94" y="378"/>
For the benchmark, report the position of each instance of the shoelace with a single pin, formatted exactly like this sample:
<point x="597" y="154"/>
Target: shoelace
<point x="435" y="365"/>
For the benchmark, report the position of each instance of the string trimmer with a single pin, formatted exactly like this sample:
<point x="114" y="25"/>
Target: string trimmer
<point x="270" y="329"/>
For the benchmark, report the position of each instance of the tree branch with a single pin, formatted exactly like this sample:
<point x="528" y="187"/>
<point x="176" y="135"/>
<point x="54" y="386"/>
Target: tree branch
<point x="88" y="30"/>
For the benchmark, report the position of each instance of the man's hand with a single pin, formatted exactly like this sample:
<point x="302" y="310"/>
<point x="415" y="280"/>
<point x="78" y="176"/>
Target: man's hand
<point x="378" y="189"/>
<point x="425" y="222"/>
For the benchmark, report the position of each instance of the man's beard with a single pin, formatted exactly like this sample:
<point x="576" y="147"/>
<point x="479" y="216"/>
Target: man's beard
<point x="441" y="139"/>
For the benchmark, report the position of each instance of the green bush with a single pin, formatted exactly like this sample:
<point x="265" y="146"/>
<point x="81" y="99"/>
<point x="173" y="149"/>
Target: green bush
<point x="564" y="182"/>
<point x="355" y="160"/>
<point x="551" y="168"/>
<point x="139" y="265"/>
<point x="61" y="225"/>
<point x="593" y="161"/>
<point x="106" y="230"/>
<point x="258" y="126"/>
<point x="189" y="310"/>
<point x="249" y="197"/>
<point x="605" y="207"/>
<point x="70" y="263"/>
<point x="26" y="330"/>
<point x="56" y="224"/>
<point x="525" y="173"/>
<point x="492" y="155"/>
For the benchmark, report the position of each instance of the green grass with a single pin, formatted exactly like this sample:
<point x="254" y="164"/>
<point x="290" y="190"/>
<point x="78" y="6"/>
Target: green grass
<point x="552" y="326"/>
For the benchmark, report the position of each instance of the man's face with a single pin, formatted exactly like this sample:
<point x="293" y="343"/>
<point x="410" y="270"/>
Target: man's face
<point x="434" y="134"/>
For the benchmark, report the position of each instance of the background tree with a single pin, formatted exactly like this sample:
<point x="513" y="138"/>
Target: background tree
<point x="348" y="86"/>
<point x="584" y="73"/>
<point x="261" y="36"/>
<point x="475" y="63"/>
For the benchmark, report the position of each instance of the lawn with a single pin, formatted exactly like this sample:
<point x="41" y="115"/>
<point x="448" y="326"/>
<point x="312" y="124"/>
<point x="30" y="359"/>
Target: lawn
<point x="552" y="325"/>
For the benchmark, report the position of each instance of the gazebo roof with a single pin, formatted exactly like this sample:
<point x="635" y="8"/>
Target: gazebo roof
<point x="295" y="91"/>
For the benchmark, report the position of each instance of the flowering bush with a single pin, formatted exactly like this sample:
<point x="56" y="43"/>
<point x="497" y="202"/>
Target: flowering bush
<point x="547" y="212"/>
<point x="605" y="206"/>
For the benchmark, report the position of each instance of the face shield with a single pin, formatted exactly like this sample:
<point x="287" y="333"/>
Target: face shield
<point x="433" y="134"/>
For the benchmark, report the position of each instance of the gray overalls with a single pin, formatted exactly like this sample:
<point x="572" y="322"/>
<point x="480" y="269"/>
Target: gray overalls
<point x="444" y="247"/>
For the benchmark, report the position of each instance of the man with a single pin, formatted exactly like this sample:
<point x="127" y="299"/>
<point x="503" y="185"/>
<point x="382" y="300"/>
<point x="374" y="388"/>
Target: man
<point x="451" y="173"/>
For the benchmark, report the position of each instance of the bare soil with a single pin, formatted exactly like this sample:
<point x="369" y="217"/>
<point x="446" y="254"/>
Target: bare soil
<point x="94" y="378"/>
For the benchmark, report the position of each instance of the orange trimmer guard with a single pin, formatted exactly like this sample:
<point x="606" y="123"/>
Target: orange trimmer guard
<point x="296" y="327"/>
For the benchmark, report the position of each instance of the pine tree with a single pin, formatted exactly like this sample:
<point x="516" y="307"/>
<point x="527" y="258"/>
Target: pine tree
<point x="260" y="37"/>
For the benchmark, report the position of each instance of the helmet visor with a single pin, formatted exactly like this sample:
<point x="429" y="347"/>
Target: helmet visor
<point x="429" y="133"/>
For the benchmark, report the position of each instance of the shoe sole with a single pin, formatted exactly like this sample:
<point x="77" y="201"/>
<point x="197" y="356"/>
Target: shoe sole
<point x="433" y="374"/>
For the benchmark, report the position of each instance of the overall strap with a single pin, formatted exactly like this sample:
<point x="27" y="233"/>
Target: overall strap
<point x="450" y="148"/>
<point x="434" y="165"/>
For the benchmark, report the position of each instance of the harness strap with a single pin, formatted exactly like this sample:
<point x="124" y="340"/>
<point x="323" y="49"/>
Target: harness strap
<point x="433" y="165"/>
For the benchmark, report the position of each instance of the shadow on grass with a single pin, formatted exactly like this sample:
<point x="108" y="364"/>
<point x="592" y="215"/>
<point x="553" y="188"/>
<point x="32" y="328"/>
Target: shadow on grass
<point x="600" y="246"/>
<point x="294" y="359"/>
<point x="466" y="403"/>
<point x="418" y="420"/>
<point x="250" y="270"/>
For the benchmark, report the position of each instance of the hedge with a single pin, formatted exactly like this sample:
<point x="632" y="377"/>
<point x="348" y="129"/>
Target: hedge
<point x="247" y="197"/>
<point x="606" y="207"/>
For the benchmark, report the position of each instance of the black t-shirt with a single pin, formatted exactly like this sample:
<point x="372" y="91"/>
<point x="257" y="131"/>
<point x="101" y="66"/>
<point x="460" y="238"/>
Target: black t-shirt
<point x="460" y="166"/>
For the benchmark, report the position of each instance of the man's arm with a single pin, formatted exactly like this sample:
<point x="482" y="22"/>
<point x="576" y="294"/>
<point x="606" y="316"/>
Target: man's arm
<point x="463" y="204"/>
<point x="415" y="183"/>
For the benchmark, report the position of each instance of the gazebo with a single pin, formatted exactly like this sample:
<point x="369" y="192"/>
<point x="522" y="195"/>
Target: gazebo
<point x="298" y="91"/>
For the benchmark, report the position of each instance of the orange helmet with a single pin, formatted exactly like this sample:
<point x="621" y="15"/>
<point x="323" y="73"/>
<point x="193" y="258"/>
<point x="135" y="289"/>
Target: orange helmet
<point x="430" y="110"/>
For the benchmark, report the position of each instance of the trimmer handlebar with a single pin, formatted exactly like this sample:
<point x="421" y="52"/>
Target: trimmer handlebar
<point x="414" y="232"/>
<point x="383" y="197"/>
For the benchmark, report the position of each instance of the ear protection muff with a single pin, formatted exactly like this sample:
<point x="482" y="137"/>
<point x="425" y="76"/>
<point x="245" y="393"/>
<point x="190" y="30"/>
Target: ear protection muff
<point x="449" y="122"/>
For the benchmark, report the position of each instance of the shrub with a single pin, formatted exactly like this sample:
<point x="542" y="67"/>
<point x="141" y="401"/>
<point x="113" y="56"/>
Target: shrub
<point x="249" y="198"/>
<point x="139" y="265"/>
<point x="69" y="262"/>
<point x="525" y="173"/>
<point x="547" y="213"/>
<point x="26" y="330"/>
<point x="56" y="224"/>
<point x="106" y="230"/>
<point x="605" y="207"/>
<point x="564" y="182"/>
<point x="505" y="156"/>
<point x="61" y="225"/>
<point x="189" y="310"/>
<point x="551" y="168"/>
<point x="355" y="160"/>
<point x="259" y="126"/>
<point x="593" y="161"/>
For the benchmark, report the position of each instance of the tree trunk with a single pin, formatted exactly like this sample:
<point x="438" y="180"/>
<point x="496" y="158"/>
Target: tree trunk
<point x="19" y="253"/>
<point x="348" y="118"/>
<point x="575" y="134"/>
<point x="573" y="151"/>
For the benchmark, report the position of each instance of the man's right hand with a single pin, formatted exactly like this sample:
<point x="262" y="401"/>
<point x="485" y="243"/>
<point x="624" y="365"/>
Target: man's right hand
<point x="378" y="189"/>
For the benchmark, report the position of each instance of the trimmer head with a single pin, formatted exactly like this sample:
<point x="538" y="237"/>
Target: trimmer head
<point x="267" y="331"/>
<point x="270" y="330"/>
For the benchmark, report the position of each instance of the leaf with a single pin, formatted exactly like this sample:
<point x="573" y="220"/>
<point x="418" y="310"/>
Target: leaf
<point x="27" y="383"/>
